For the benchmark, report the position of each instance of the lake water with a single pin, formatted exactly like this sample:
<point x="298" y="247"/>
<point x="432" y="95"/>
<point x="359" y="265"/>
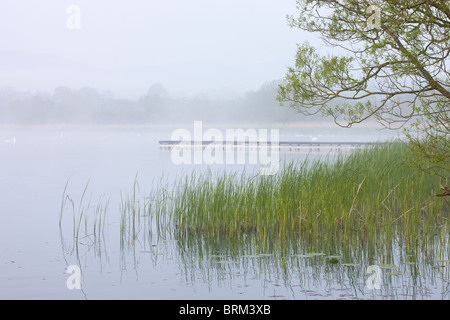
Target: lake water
<point x="36" y="164"/>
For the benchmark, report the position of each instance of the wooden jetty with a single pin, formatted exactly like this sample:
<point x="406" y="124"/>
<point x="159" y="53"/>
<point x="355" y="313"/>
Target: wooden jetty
<point x="169" y="144"/>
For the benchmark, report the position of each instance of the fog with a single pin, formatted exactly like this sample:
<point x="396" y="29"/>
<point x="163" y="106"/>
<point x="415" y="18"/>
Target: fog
<point x="90" y="106"/>
<point x="90" y="88"/>
<point x="191" y="47"/>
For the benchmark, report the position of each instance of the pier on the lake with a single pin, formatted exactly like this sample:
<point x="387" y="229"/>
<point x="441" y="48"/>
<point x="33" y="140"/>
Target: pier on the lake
<point x="287" y="145"/>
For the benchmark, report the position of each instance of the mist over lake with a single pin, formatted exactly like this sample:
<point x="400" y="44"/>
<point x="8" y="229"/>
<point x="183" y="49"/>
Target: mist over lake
<point x="36" y="168"/>
<point x="147" y="152"/>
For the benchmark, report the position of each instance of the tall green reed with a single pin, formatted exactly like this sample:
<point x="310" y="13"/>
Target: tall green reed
<point x="370" y="192"/>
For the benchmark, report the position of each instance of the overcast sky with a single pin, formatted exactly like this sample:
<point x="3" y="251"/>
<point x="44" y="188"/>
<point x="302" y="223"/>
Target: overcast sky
<point x="189" y="46"/>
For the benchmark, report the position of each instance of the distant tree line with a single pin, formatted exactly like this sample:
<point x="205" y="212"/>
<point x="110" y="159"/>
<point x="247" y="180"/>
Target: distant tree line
<point x="90" y="106"/>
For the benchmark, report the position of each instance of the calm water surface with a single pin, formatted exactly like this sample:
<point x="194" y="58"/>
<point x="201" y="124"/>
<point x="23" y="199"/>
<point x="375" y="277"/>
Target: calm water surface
<point x="36" y="164"/>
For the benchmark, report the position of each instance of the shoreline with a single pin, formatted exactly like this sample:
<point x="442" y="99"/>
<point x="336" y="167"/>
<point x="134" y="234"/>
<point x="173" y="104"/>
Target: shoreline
<point x="206" y="124"/>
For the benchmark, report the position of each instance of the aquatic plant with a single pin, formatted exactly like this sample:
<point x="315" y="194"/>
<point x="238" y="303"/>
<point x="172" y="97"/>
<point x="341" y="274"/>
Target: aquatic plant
<point x="366" y="193"/>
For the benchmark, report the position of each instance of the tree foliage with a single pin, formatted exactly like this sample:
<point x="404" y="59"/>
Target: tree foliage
<point x="91" y="106"/>
<point x="396" y="70"/>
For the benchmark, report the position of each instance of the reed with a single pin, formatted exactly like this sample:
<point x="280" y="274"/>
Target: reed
<point x="367" y="196"/>
<point x="339" y="213"/>
<point x="88" y="221"/>
<point x="370" y="192"/>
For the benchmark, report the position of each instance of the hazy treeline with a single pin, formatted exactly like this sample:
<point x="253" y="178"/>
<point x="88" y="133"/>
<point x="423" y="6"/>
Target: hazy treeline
<point x="88" y="105"/>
